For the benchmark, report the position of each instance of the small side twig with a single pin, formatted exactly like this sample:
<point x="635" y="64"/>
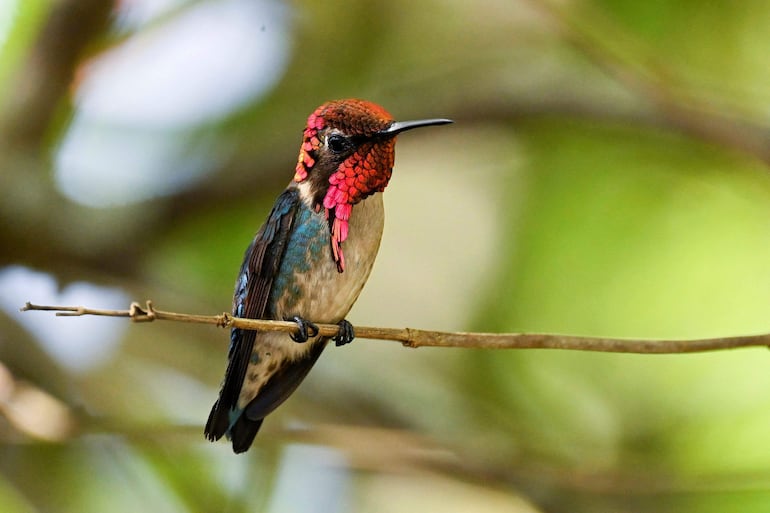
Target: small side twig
<point x="424" y="338"/>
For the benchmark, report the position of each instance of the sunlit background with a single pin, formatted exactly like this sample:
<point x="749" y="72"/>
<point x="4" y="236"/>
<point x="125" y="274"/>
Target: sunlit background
<point x="607" y="175"/>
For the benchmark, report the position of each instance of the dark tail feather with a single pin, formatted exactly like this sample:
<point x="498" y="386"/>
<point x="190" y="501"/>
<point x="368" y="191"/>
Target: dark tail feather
<point x="241" y="344"/>
<point x="219" y="421"/>
<point x="243" y="432"/>
<point x="274" y="392"/>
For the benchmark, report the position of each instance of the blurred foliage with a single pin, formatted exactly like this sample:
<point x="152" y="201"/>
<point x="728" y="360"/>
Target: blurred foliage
<point x="607" y="175"/>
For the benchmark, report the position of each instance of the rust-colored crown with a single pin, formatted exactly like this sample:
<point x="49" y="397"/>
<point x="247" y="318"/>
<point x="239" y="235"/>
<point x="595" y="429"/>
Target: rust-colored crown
<point x="352" y="117"/>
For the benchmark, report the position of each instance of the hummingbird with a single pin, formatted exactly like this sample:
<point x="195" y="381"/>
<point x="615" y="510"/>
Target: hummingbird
<point x="308" y="262"/>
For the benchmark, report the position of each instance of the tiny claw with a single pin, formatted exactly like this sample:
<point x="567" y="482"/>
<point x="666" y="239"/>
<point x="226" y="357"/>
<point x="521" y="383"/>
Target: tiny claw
<point x="346" y="334"/>
<point x="306" y="329"/>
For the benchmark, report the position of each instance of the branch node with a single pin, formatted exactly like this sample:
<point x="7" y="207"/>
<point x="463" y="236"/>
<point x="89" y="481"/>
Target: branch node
<point x="409" y="339"/>
<point x="225" y="320"/>
<point x="139" y="314"/>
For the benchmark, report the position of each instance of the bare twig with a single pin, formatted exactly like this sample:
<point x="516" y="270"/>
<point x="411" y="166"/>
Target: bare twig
<point x="423" y="338"/>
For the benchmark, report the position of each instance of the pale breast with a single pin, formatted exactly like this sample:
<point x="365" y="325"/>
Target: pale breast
<point x="310" y="286"/>
<point x="328" y="295"/>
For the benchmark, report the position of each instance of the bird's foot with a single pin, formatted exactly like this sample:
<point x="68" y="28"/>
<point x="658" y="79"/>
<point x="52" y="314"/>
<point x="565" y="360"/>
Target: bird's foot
<point x="305" y="329"/>
<point x="346" y="334"/>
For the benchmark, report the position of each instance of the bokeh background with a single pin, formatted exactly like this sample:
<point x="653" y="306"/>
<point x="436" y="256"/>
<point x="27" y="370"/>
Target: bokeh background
<point x="607" y="175"/>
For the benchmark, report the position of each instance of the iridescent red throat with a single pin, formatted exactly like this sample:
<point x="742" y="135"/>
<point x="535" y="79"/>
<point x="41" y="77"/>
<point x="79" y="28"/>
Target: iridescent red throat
<point x="366" y="171"/>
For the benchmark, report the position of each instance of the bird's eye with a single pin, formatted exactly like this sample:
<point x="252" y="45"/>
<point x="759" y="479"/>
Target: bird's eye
<point x="337" y="143"/>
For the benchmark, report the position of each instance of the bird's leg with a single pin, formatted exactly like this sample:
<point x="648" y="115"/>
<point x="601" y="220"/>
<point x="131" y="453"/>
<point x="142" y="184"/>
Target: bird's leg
<point x="306" y="329"/>
<point x="346" y="334"/>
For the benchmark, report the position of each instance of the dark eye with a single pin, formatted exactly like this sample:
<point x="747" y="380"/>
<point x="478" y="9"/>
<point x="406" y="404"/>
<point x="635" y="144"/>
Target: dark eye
<point x="337" y="143"/>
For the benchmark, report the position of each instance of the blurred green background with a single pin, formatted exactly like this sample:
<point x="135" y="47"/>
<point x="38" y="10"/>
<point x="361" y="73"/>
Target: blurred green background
<point x="607" y="175"/>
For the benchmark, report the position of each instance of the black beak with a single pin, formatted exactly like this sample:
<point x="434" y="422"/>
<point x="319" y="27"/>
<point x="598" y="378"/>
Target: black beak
<point x="402" y="126"/>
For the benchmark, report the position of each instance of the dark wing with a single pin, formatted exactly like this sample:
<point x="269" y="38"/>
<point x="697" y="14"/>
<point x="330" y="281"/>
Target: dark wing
<point x="252" y="290"/>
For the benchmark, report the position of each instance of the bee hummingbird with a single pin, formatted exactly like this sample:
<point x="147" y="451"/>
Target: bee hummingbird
<point x="309" y="261"/>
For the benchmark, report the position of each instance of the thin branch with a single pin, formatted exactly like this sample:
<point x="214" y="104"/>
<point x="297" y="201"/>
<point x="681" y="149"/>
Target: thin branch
<point x="423" y="338"/>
